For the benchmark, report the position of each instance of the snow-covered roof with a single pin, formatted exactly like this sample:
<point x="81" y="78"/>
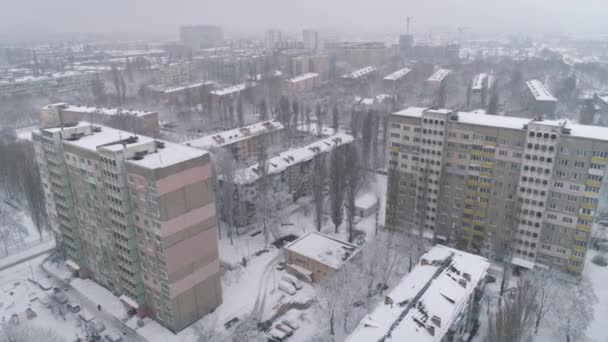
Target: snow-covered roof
<point x="539" y="91"/>
<point x="478" y="81"/>
<point x="190" y="86"/>
<point x="480" y="118"/>
<point x="303" y="77"/>
<point x="398" y="74"/>
<point x="603" y="97"/>
<point x="232" y="89"/>
<point x="439" y="75"/>
<point x="427" y="301"/>
<point x="324" y="249"/>
<point x="235" y="135"/>
<point x="152" y="153"/>
<point x="97" y="110"/>
<point x="52" y="76"/>
<point x="292" y="157"/>
<point x="360" y="73"/>
<point x="366" y="201"/>
<point x="371" y="100"/>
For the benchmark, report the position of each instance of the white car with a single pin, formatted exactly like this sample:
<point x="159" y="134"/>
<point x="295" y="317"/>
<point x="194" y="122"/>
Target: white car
<point x="292" y="324"/>
<point x="292" y="280"/>
<point x="287" y="288"/>
<point x="277" y="334"/>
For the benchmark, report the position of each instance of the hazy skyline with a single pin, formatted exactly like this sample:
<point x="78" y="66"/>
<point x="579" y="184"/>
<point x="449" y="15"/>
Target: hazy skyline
<point x="29" y="17"/>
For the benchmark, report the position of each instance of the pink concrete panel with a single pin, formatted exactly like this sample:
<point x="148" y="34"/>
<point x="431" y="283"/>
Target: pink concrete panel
<point x="182" y="179"/>
<point x="186" y="220"/>
<point x="189" y="250"/>
<point x="194" y="278"/>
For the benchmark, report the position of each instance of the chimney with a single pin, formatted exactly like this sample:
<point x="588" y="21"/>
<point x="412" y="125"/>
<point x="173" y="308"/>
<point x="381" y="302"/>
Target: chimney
<point x="424" y="262"/>
<point x="431" y="329"/>
<point x="462" y="283"/>
<point x="467" y="276"/>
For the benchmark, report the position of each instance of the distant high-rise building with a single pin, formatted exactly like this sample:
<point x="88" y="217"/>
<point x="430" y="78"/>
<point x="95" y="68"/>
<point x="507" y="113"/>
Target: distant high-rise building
<point x="136" y="215"/>
<point x="467" y="178"/>
<point x="311" y="39"/>
<point x="201" y="36"/>
<point x="273" y="38"/>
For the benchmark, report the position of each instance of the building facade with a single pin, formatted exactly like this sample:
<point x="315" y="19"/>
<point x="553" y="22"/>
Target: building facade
<point x="135" y="121"/>
<point x="311" y="40"/>
<point x="465" y="178"/>
<point x="136" y="215"/>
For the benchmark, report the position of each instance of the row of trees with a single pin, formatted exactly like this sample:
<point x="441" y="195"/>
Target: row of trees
<point x="20" y="178"/>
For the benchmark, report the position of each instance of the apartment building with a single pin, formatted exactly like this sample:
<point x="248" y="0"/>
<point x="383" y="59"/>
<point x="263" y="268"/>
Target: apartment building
<point x="465" y="177"/>
<point x="311" y="40"/>
<point x="396" y="78"/>
<point x="359" y="55"/>
<point x="319" y="64"/>
<point x="300" y="84"/>
<point x="290" y="173"/>
<point x="480" y="90"/>
<point x="242" y="142"/>
<point x="136" y="215"/>
<point x="201" y="36"/>
<point x="136" y="121"/>
<point x="541" y="101"/>
<point x="437" y="301"/>
<point x="49" y="84"/>
<point x="175" y="74"/>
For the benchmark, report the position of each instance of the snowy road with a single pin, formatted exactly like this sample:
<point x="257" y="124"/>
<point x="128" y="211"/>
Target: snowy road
<point x="260" y="302"/>
<point x="87" y="304"/>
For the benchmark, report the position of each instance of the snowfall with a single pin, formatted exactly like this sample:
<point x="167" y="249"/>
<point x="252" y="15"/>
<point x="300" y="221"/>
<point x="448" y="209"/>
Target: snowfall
<point x="30" y="275"/>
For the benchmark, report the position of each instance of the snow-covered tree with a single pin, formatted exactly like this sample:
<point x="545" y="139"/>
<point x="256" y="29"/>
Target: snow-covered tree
<point x="514" y="319"/>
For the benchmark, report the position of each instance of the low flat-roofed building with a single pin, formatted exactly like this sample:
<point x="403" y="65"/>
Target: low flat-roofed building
<point x="315" y="256"/>
<point x="135" y="121"/>
<point x="542" y="102"/>
<point x="434" y="302"/>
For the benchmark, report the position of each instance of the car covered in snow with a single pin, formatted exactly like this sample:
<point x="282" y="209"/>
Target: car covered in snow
<point x="287" y="288"/>
<point x="293" y="281"/>
<point x="73" y="307"/>
<point x="277" y="335"/>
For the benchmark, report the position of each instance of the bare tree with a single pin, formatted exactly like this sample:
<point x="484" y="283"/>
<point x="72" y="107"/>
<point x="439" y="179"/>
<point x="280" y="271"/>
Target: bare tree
<point x="318" y="185"/>
<point x="547" y="293"/>
<point x="226" y="173"/>
<point x="353" y="179"/>
<point x="337" y="187"/>
<point x="514" y="318"/>
<point x="263" y="185"/>
<point x="573" y="311"/>
<point x="27" y="333"/>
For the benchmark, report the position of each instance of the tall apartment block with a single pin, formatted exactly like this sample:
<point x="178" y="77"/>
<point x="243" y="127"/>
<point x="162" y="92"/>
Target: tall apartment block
<point x="136" y="215"/>
<point x="464" y="177"/>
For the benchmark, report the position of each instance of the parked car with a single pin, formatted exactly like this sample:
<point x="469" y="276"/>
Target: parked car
<point x="60" y="298"/>
<point x="292" y="324"/>
<point x="293" y="281"/>
<point x="281" y="266"/>
<point x="277" y="335"/>
<point x="98" y="326"/>
<point x="285" y="328"/>
<point x="231" y="322"/>
<point x="287" y="288"/>
<point x="113" y="336"/>
<point x="86" y="316"/>
<point x="75" y="308"/>
<point x="44" y="285"/>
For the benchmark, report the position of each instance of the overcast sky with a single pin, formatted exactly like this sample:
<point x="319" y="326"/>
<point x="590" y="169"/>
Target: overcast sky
<point x="164" y="16"/>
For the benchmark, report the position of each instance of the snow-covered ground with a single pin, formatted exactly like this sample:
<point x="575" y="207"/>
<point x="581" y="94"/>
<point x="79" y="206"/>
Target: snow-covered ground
<point x="599" y="280"/>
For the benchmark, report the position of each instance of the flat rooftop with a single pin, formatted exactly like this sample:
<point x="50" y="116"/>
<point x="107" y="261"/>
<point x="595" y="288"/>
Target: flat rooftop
<point x="360" y="72"/>
<point x="303" y="77"/>
<point x="539" y="91"/>
<point x="397" y="74"/>
<point x="235" y="135"/>
<point x="482" y="119"/>
<point x="439" y="75"/>
<point x="153" y="154"/>
<point x="324" y="249"/>
<point x="231" y="89"/>
<point x="478" y="81"/>
<point x="435" y="291"/>
<point x="97" y="110"/>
